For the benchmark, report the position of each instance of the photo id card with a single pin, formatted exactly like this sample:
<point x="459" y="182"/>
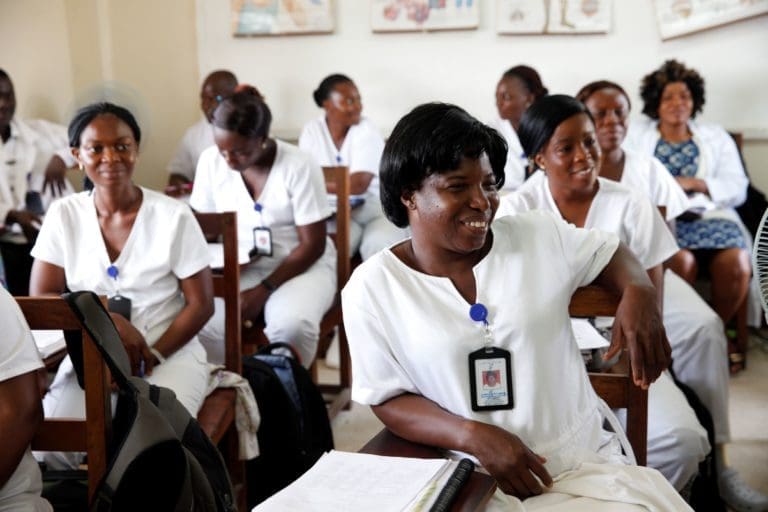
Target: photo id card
<point x="490" y="379"/>
<point x="120" y="305"/>
<point x="262" y="242"/>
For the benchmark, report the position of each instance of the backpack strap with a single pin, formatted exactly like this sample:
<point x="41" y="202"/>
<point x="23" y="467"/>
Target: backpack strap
<point x="269" y="349"/>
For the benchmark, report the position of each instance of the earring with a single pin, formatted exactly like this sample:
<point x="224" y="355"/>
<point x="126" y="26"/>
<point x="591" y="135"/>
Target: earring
<point x="264" y="144"/>
<point x="81" y="167"/>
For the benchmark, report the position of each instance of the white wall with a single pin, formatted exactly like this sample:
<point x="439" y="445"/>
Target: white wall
<point x="394" y="72"/>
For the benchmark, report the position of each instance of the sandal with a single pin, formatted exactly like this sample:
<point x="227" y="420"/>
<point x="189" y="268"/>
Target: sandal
<point x="737" y="360"/>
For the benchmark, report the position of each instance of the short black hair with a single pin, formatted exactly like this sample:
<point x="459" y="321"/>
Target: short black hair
<point x="592" y="87"/>
<point x="433" y="138"/>
<point x="653" y="84"/>
<point x="541" y="120"/>
<point x="326" y="86"/>
<point x="244" y="113"/>
<point x="85" y="115"/>
<point x="530" y="78"/>
<point x="3" y="74"/>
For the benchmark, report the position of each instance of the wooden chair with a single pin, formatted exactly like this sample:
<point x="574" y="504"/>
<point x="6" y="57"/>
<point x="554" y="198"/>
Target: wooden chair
<point x="337" y="394"/>
<point x="615" y="387"/>
<point x="217" y="414"/>
<point x="93" y="434"/>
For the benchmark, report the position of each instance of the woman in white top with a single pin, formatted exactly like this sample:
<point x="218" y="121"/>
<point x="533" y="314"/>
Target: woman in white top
<point x="21" y="412"/>
<point x="417" y="313"/>
<point x="705" y="161"/>
<point x="142" y="249"/>
<point x="279" y="196"/>
<point x="558" y="133"/>
<point x="341" y="136"/>
<point x="518" y="87"/>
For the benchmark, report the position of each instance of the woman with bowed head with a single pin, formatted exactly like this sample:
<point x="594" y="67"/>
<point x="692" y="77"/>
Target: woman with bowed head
<point x="142" y="249"/>
<point x="278" y="193"/>
<point x="429" y="317"/>
<point x="342" y="136"/>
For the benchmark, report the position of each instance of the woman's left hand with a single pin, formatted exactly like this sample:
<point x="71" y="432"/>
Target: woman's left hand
<point x="135" y="345"/>
<point x="252" y="303"/>
<point x="638" y="327"/>
<point x="690" y="184"/>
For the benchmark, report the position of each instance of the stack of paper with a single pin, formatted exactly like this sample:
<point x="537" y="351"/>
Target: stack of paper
<point x="354" y="482"/>
<point x="216" y="255"/>
<point x="49" y="342"/>
<point x="586" y="335"/>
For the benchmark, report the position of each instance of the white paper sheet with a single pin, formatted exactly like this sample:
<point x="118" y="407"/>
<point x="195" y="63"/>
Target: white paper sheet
<point x="49" y="342"/>
<point x="353" y="482"/>
<point x="216" y="255"/>
<point x="587" y="336"/>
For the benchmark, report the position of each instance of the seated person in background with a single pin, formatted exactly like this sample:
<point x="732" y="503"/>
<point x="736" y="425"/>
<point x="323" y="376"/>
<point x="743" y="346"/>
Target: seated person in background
<point x="705" y="161"/>
<point x="695" y="330"/>
<point x="558" y="133"/>
<point x="217" y="85"/>
<point x="278" y="193"/>
<point x="33" y="160"/>
<point x="341" y="136"/>
<point x="421" y="315"/>
<point x="20" y="412"/>
<point x="142" y="249"/>
<point x="517" y="89"/>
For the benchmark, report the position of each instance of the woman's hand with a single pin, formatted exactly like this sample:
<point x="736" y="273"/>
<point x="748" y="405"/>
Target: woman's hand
<point x="690" y="184"/>
<point x="638" y="327"/>
<point x="252" y="303"/>
<point x="514" y="466"/>
<point x="135" y="346"/>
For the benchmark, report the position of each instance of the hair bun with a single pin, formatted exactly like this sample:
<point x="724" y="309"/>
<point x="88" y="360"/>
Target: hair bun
<point x="249" y="90"/>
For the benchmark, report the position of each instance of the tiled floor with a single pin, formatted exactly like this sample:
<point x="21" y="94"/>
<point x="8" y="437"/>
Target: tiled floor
<point x="748" y="451"/>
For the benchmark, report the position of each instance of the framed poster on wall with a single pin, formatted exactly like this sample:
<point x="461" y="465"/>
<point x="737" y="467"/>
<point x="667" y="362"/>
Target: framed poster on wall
<point x="680" y="17"/>
<point x="423" y="15"/>
<point x="280" y="17"/>
<point x="553" y="16"/>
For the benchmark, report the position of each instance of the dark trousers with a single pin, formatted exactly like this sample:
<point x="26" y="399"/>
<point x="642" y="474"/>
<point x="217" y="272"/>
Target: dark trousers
<point x="18" y="267"/>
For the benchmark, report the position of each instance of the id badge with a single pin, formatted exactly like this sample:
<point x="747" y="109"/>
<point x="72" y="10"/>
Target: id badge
<point x="262" y="242"/>
<point x="490" y="379"/>
<point x="120" y="305"/>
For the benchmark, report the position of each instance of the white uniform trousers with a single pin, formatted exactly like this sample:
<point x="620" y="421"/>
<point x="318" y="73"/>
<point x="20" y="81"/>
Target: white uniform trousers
<point x="292" y="313"/>
<point x="185" y="373"/>
<point x="699" y="350"/>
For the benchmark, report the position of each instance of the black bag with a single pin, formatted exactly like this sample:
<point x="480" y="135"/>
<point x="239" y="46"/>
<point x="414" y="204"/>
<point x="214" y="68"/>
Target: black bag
<point x="294" y="430"/>
<point x="159" y="457"/>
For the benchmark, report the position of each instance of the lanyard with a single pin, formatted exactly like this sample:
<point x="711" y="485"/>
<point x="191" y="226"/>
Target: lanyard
<point x="479" y="313"/>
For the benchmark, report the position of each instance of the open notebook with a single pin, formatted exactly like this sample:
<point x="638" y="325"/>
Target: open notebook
<point x="342" y="481"/>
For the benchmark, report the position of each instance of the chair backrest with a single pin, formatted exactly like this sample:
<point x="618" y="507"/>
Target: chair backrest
<point x="339" y="176"/>
<point x="616" y="387"/>
<point x="226" y="282"/>
<point x="93" y="434"/>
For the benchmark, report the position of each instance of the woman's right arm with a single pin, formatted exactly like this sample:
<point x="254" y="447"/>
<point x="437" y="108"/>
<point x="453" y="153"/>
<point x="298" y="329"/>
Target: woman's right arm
<point x="46" y="279"/>
<point x="501" y="453"/>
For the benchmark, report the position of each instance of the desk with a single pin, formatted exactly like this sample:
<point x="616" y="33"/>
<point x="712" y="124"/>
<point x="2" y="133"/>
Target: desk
<point x="473" y="496"/>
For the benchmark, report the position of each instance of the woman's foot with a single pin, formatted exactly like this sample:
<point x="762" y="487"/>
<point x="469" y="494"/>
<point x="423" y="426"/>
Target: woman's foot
<point x="737" y="360"/>
<point x="738" y="495"/>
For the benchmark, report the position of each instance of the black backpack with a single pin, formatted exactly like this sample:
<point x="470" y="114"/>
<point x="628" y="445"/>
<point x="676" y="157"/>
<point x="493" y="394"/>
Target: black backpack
<point x="159" y="457"/>
<point x="294" y="430"/>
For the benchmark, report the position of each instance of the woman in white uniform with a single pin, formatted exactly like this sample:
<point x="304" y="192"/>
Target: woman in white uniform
<point x="341" y="136"/>
<point x="558" y="133"/>
<point x="143" y="250"/>
<point x="20" y="414"/>
<point x="518" y="87"/>
<point x="695" y="330"/>
<point x="705" y="161"/>
<point x="421" y="314"/>
<point x="278" y="193"/>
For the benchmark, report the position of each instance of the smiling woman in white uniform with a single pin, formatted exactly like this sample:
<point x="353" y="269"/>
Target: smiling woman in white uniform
<point x="121" y="240"/>
<point x="419" y="315"/>
<point x="279" y="195"/>
<point x="571" y="189"/>
<point x="341" y="136"/>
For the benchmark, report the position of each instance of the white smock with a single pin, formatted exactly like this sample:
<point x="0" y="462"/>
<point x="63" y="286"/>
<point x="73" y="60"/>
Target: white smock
<point x="676" y="441"/>
<point x="410" y="332"/>
<point x="18" y="355"/>
<point x="196" y="139"/>
<point x="517" y="162"/>
<point x="293" y="195"/>
<point x="360" y="152"/>
<point x="165" y="245"/>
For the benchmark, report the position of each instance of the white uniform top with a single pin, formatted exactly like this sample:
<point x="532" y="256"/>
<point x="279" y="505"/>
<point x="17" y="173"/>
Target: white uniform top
<point x="615" y="209"/>
<point x="646" y="174"/>
<point x="411" y="332"/>
<point x="164" y="246"/>
<point x="719" y="161"/>
<point x="18" y="355"/>
<point x="514" y="169"/>
<point x="293" y="195"/>
<point x="197" y="139"/>
<point x="23" y="159"/>
<point x="360" y="151"/>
